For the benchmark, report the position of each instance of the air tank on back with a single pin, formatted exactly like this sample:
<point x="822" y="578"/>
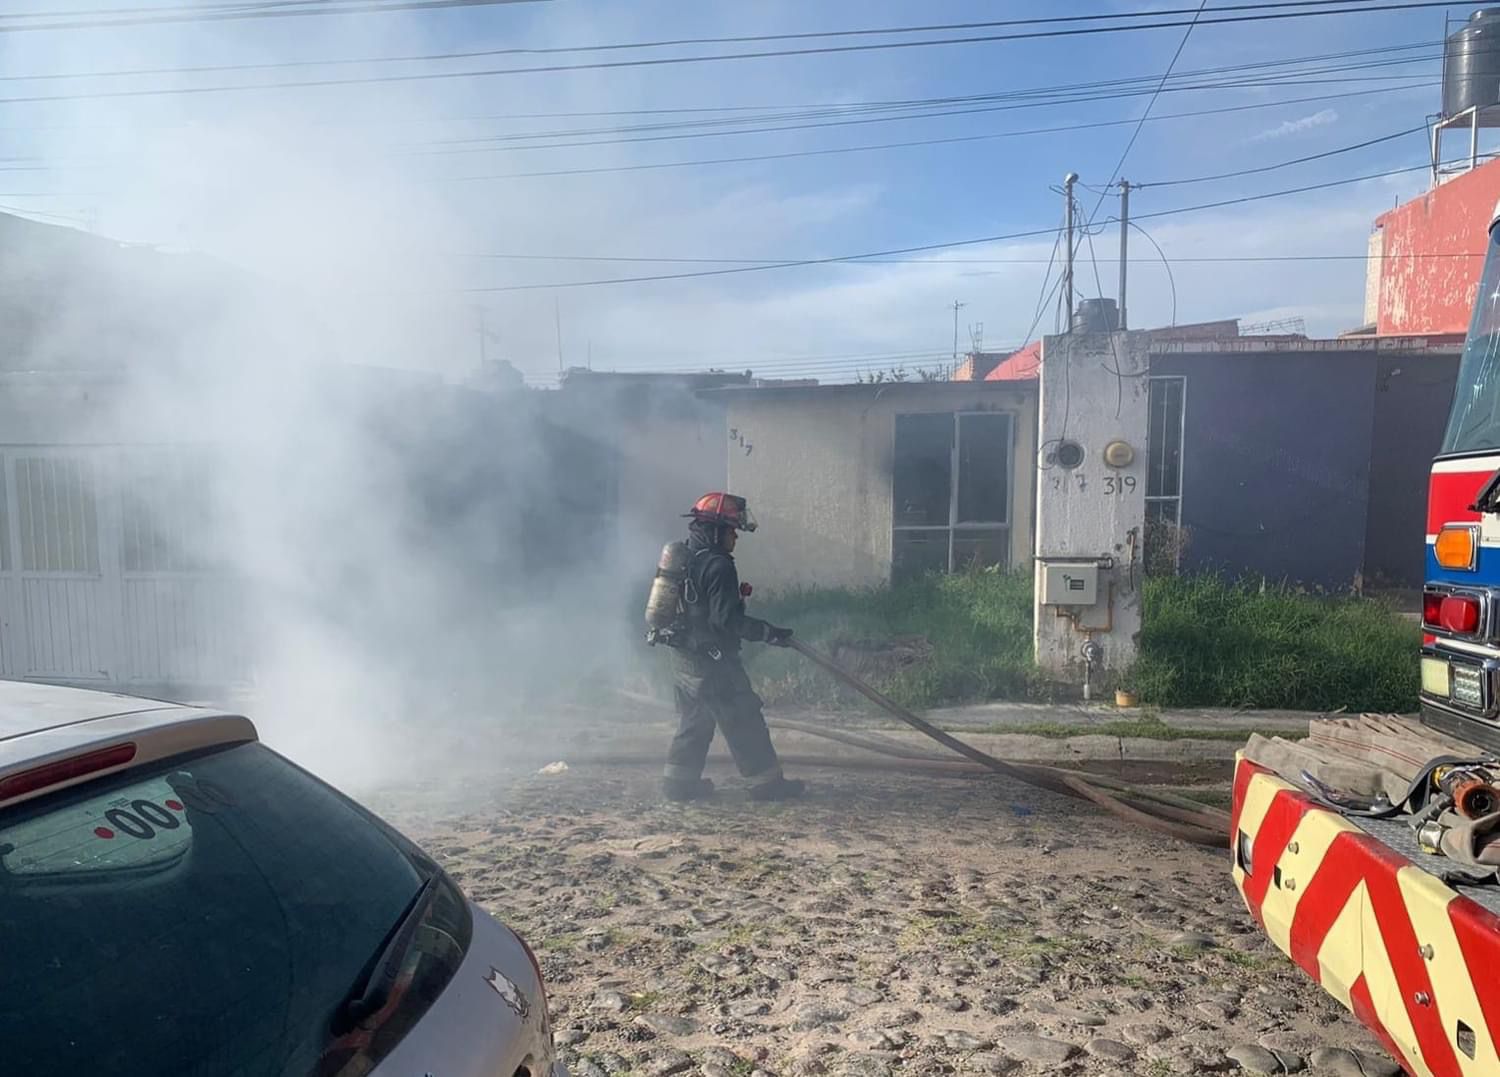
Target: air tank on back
<point x="1471" y="67"/>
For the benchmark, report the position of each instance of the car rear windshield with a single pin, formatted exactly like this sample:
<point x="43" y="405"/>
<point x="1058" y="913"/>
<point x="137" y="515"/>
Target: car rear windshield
<point x="209" y="916"/>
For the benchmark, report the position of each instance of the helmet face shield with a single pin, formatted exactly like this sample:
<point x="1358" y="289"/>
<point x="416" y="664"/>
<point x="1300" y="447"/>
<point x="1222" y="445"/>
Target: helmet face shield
<point x="725" y="509"/>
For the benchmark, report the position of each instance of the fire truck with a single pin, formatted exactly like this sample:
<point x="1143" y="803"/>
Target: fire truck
<point x="1363" y="900"/>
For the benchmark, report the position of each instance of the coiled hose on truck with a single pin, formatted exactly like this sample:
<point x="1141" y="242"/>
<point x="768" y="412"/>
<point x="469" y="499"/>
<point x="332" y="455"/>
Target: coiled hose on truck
<point x="1177" y="817"/>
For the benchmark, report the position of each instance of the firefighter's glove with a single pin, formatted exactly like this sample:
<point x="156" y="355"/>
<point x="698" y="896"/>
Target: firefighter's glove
<point x="779" y="637"/>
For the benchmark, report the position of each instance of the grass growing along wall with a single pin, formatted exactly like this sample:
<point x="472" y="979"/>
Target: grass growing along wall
<point x="946" y="640"/>
<point x="1205" y="642"/>
<point x="926" y="643"/>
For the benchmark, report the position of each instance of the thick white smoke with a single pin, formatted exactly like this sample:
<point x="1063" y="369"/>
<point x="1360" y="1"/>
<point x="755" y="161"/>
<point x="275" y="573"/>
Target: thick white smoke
<point x="415" y="564"/>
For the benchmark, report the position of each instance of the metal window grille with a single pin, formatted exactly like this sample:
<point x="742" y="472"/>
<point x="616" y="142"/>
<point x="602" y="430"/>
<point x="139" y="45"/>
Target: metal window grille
<point x="57" y="514"/>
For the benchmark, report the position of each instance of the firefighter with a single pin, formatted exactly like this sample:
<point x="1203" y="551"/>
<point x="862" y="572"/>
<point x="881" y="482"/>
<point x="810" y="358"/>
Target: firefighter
<point x="712" y="687"/>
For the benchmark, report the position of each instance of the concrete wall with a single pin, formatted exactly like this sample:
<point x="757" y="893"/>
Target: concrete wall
<point x="1435" y="295"/>
<point x="816" y="465"/>
<point x="1309" y="464"/>
<point x="1092" y="510"/>
<point x="1276" y="464"/>
<point x="1374" y="267"/>
<point x="1412" y="398"/>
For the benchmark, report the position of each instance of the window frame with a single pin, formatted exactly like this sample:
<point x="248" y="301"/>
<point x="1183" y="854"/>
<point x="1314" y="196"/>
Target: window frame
<point x="954" y="528"/>
<point x="1175" y="500"/>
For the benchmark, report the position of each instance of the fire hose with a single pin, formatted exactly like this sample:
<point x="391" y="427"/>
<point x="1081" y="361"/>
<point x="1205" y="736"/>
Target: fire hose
<point x="1184" y="819"/>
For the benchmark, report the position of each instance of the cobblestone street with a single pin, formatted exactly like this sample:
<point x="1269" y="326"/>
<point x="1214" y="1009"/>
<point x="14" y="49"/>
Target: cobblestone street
<point x="888" y="924"/>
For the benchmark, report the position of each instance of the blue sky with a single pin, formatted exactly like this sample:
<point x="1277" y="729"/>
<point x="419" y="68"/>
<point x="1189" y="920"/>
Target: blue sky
<point x="351" y="195"/>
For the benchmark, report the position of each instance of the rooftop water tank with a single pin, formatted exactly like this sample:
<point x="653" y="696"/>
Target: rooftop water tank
<point x="1471" y="68"/>
<point x="1096" y="316"/>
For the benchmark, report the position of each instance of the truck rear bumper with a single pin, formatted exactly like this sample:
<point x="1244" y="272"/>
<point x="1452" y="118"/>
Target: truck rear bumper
<point x="1455" y="723"/>
<point x="1413" y="959"/>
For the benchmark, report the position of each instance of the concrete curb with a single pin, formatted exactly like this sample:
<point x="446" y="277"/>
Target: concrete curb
<point x="652" y="736"/>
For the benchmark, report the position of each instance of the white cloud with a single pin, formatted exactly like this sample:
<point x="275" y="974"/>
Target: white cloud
<point x="1321" y="118"/>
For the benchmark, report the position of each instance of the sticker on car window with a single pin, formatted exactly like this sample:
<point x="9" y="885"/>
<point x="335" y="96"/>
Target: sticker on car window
<point x="141" y="828"/>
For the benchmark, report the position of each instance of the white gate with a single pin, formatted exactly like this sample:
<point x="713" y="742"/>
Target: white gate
<point x="94" y="585"/>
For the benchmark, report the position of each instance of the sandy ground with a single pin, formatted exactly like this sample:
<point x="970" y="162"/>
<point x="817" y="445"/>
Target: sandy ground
<point x="888" y="924"/>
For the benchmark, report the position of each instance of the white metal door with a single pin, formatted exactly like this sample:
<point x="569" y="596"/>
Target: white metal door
<point x="13" y="648"/>
<point x="67" y="600"/>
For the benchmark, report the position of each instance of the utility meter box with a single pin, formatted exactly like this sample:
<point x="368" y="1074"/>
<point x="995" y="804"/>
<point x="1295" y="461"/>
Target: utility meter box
<point x="1070" y="583"/>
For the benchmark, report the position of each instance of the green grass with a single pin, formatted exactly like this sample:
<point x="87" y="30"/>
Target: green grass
<point x="947" y="640"/>
<point x="1205" y="642"/>
<point x="974" y="630"/>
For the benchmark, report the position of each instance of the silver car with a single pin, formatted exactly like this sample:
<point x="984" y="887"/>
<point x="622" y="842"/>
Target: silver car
<point x="176" y="898"/>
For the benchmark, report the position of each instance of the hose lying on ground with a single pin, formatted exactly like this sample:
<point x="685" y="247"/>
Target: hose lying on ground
<point x="874" y="742"/>
<point x="1202" y="826"/>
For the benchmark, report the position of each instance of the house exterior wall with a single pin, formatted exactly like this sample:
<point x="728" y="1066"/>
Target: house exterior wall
<point x="816" y="467"/>
<point x="1412" y="398"/>
<point x="1420" y="293"/>
<point x="1310" y="467"/>
<point x="1276" y="464"/>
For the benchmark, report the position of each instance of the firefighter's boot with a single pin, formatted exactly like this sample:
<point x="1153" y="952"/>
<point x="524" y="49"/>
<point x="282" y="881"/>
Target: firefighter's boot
<point x="779" y="789"/>
<point x="685" y="789"/>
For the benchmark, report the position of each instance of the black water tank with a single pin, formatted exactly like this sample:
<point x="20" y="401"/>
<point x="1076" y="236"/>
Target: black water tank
<point x="1096" y="316"/>
<point x="1471" y="76"/>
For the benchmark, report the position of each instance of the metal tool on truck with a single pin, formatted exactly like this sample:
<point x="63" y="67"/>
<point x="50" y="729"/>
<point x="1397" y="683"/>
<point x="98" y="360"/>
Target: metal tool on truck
<point x="1368" y="853"/>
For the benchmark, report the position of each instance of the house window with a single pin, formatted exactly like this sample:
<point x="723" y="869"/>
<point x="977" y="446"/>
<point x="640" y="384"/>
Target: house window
<point x="59" y="522"/>
<point x="1166" y="402"/>
<point x="951" y="491"/>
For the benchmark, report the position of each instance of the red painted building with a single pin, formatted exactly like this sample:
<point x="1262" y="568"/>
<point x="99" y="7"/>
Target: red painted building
<point x="1425" y="257"/>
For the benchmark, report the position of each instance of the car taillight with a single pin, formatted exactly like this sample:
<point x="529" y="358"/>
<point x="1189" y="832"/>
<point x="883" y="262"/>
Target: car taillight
<point x="65" y="770"/>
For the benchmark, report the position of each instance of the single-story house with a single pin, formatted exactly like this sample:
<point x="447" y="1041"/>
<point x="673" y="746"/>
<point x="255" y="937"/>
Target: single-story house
<point x="856" y="485"/>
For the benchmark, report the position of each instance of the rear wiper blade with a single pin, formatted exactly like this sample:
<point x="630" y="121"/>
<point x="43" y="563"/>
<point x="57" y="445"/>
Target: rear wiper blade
<point x="373" y="989"/>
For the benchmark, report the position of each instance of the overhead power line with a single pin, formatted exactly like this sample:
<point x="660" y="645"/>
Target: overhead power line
<point x="687" y="131"/>
<point x="1206" y="259"/>
<point x="242" y="10"/>
<point x="923" y="248"/>
<point x="914" y="143"/>
<point x="103" y="19"/>
<point x="950" y="140"/>
<point x="1421" y="128"/>
<point x="831" y="108"/>
<point x="823" y="50"/>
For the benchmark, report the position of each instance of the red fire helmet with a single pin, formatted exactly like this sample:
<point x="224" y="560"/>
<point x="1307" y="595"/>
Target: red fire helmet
<point x="719" y="508"/>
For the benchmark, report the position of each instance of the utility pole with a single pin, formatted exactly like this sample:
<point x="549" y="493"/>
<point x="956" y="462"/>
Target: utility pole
<point x="1068" y="181"/>
<point x="957" y="306"/>
<point x="484" y="332"/>
<point x="557" y="316"/>
<point x="1124" y="244"/>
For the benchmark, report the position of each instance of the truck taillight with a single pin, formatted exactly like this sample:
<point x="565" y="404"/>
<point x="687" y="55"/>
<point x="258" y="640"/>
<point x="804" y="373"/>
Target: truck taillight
<point x="1451" y="613"/>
